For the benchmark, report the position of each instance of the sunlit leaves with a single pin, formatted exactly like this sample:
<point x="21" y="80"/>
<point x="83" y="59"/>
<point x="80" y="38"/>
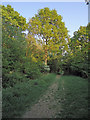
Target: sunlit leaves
<point x="48" y="26"/>
<point x="13" y="17"/>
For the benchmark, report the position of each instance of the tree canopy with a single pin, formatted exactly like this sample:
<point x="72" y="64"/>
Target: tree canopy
<point x="77" y="58"/>
<point x="47" y="27"/>
<point x="16" y="66"/>
<point x="47" y="43"/>
<point x="13" y="17"/>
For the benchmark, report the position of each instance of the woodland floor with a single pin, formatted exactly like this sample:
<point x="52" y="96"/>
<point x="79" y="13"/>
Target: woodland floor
<point x="47" y="106"/>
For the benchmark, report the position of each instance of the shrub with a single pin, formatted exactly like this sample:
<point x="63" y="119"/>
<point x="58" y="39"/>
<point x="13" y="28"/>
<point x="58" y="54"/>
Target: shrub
<point x="10" y="79"/>
<point x="54" y="65"/>
<point x="46" y="68"/>
<point x="60" y="72"/>
<point x="31" y="69"/>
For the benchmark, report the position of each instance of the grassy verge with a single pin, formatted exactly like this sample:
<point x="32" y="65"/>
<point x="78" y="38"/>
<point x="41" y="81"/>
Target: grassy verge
<point x="17" y="99"/>
<point x="73" y="97"/>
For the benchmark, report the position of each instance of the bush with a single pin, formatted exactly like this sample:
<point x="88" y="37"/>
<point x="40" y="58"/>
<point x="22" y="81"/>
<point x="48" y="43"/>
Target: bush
<point x="54" y="65"/>
<point x="76" y="70"/>
<point x="60" y="72"/>
<point x="10" y="79"/>
<point x="42" y="68"/>
<point x="46" y="68"/>
<point x="31" y="70"/>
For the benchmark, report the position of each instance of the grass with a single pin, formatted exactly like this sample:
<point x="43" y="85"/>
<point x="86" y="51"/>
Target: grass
<point x="18" y="99"/>
<point x="73" y="97"/>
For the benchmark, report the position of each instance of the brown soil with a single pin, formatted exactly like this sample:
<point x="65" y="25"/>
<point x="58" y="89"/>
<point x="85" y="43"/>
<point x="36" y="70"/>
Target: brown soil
<point x="47" y="106"/>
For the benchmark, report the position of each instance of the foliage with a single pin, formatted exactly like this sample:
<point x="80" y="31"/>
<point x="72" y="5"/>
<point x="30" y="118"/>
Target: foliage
<point x="14" y="47"/>
<point x="72" y="94"/>
<point x="88" y="29"/>
<point x="46" y="68"/>
<point x="23" y="60"/>
<point x="60" y="72"/>
<point x="79" y="42"/>
<point x="54" y="65"/>
<point x="49" y="30"/>
<point x="33" y="49"/>
<point x="13" y="17"/>
<point x="23" y="95"/>
<point x="47" y="40"/>
<point x="31" y="69"/>
<point x="76" y="60"/>
<point x="13" y="51"/>
<point x="9" y="80"/>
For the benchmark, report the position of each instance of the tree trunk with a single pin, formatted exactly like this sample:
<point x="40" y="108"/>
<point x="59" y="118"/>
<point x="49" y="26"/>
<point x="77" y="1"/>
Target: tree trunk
<point x="27" y="51"/>
<point x="46" y="53"/>
<point x="46" y="56"/>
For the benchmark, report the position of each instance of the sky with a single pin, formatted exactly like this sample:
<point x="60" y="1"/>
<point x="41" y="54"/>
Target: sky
<point x="74" y="14"/>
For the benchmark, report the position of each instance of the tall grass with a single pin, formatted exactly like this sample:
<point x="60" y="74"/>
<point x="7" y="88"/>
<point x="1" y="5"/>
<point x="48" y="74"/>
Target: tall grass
<point x="18" y="99"/>
<point x="73" y="97"/>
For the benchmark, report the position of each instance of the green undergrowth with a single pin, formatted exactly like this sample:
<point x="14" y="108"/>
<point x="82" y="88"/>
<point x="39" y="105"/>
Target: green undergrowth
<point x="73" y="97"/>
<point x="17" y="99"/>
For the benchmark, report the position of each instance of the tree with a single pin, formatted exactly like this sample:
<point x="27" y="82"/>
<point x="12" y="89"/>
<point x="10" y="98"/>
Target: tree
<point x="13" y="53"/>
<point x="79" y="42"/>
<point x="48" y="28"/>
<point x="33" y="49"/>
<point x="13" y="48"/>
<point x="78" y="55"/>
<point x="88" y="30"/>
<point x="13" y="43"/>
<point x="16" y="66"/>
<point x="9" y="15"/>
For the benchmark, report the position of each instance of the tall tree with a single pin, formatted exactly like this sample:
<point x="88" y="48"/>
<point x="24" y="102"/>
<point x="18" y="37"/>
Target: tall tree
<point x="79" y="42"/>
<point x="78" y="55"/>
<point x="12" y="17"/>
<point x="16" y="66"/>
<point x="48" y="28"/>
<point x="13" y="45"/>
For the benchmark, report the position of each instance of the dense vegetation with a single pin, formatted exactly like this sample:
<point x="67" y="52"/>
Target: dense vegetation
<point x="16" y="65"/>
<point x="46" y="48"/>
<point x="23" y="56"/>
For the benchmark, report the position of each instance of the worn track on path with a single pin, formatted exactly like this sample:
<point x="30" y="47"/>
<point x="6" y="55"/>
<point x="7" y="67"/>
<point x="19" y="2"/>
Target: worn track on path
<point x="47" y="106"/>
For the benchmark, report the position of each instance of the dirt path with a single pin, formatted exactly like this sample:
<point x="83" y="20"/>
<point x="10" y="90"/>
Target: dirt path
<point x="47" y="106"/>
